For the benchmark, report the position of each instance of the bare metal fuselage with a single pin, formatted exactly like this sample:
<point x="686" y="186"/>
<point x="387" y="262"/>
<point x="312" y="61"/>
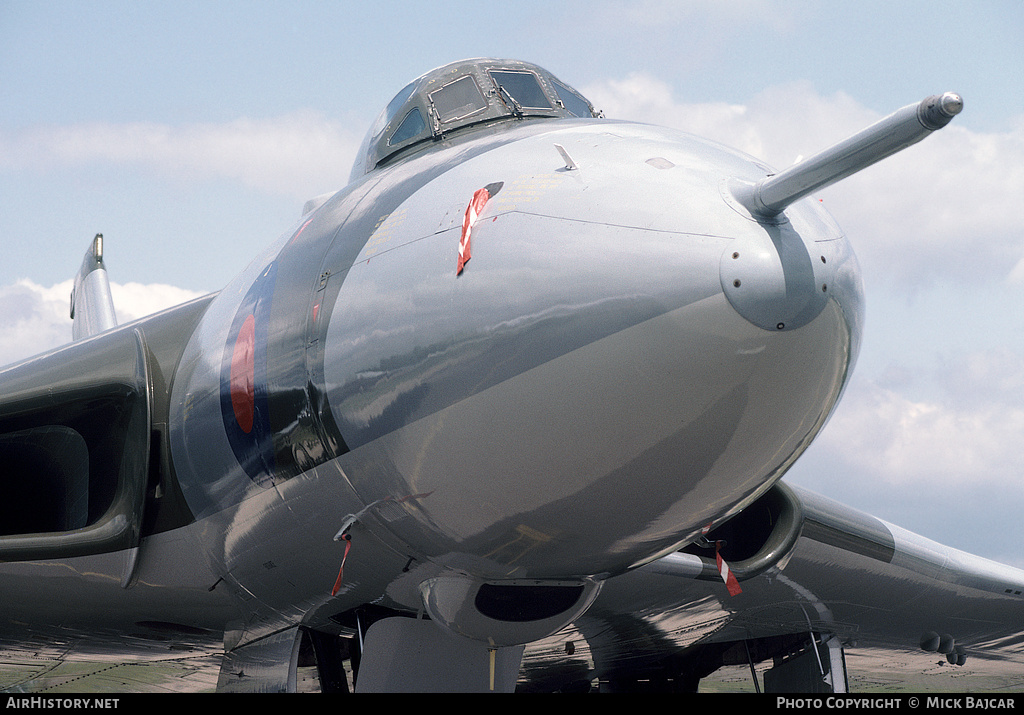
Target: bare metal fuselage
<point x="626" y="360"/>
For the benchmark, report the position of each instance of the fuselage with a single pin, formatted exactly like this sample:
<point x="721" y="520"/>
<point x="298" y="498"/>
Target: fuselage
<point x="626" y="360"/>
<point x="629" y="357"/>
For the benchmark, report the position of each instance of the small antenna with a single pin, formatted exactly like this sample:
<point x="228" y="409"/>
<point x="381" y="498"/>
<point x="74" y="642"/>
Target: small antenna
<point x="570" y="165"/>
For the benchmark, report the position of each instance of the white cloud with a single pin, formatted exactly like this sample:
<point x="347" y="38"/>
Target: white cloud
<point x="777" y="125"/>
<point x="297" y="155"/>
<point x="136" y="300"/>
<point x="946" y="466"/>
<point x="889" y="437"/>
<point x="35" y="318"/>
<point x="940" y="210"/>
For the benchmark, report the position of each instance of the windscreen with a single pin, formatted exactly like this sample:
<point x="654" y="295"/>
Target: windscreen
<point x="572" y="101"/>
<point x="458" y="99"/>
<point x="523" y="88"/>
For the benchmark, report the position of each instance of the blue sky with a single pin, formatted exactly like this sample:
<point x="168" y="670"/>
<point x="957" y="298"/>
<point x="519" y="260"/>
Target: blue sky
<point x="190" y="134"/>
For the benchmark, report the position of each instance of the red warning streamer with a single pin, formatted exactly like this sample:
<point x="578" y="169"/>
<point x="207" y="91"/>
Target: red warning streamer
<point x="473" y="211"/>
<point x="341" y="571"/>
<point x="723" y="568"/>
<point x="347" y="537"/>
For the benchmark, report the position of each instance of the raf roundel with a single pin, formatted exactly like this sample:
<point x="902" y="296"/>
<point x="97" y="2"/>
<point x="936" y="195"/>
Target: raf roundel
<point x="243" y="389"/>
<point x="243" y="384"/>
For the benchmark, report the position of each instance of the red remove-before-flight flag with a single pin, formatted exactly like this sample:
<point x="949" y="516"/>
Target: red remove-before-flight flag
<point x="473" y="211"/>
<point x="730" y="581"/>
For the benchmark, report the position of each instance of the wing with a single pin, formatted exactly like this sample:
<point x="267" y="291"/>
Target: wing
<point x="811" y="570"/>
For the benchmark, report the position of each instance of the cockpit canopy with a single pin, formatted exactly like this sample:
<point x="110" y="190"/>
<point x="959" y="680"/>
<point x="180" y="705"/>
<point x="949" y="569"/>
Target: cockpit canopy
<point x="464" y="94"/>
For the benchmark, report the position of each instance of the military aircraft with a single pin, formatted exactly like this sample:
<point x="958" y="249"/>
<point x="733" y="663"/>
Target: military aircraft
<point x="508" y="412"/>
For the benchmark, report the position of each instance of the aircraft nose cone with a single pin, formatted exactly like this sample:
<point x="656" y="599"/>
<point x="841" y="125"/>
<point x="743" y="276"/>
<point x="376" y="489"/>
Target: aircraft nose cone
<point x="773" y="280"/>
<point x="620" y="363"/>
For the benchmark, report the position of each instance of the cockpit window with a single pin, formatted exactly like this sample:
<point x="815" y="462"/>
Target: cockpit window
<point x="572" y="101"/>
<point x="458" y="100"/>
<point x="451" y="101"/>
<point x="412" y="125"/>
<point x="522" y="87"/>
<point x="399" y="101"/>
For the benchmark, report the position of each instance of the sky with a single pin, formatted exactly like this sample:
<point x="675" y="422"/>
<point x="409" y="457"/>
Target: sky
<point x="191" y="133"/>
